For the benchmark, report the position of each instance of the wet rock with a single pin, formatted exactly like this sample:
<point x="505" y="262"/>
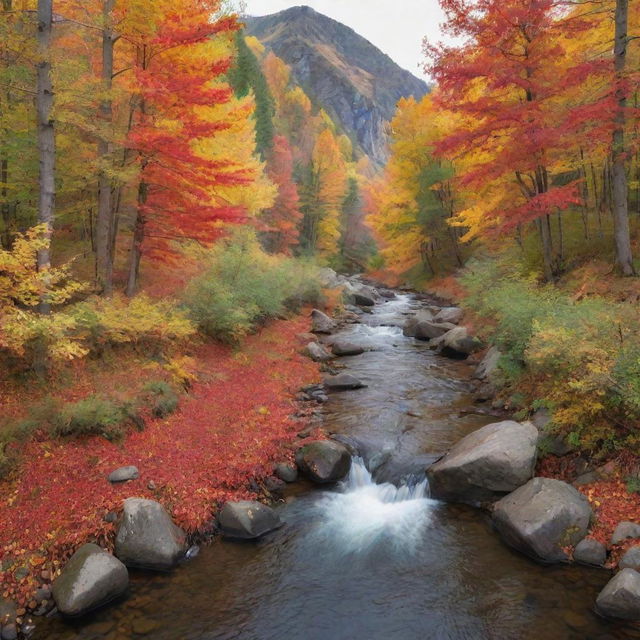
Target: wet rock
<point x="124" y="474"/>
<point x="542" y="518"/>
<point x="450" y="314"/>
<point x="286" y="471"/>
<point x="317" y="352"/>
<point x="630" y="559"/>
<point x="324" y="461"/>
<point x="427" y="330"/>
<point x="246" y="520"/>
<point x="321" y="322"/>
<point x="409" y="329"/>
<point x="625" y="530"/>
<point x="9" y="632"/>
<point x="486" y="464"/>
<point x="344" y="348"/>
<point x="621" y="596"/>
<point x="110" y="517"/>
<point x="591" y="552"/>
<point x="457" y="343"/>
<point x="8" y="609"/>
<point x="488" y="364"/>
<point x="586" y="478"/>
<point x="343" y="382"/>
<point x="90" y="579"/>
<point x="387" y="294"/>
<point x="274" y="485"/>
<point x="147" y="537"/>
<point x="363" y="299"/>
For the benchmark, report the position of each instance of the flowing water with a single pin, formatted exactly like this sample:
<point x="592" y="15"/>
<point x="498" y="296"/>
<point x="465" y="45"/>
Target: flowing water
<point x="373" y="558"/>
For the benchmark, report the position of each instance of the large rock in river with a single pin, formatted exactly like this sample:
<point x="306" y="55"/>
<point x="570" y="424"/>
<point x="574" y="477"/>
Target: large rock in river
<point x="486" y="464"/>
<point x="90" y="579"/>
<point x="324" y="461"/>
<point x="427" y="330"/>
<point x="450" y="314"/>
<point x="147" y="537"/>
<point x="343" y="382"/>
<point x="321" y="322"/>
<point x="621" y="596"/>
<point x="344" y="348"/>
<point x="543" y="518"/>
<point x="409" y="328"/>
<point x="247" y="520"/>
<point x="317" y="352"/>
<point x="457" y="343"/>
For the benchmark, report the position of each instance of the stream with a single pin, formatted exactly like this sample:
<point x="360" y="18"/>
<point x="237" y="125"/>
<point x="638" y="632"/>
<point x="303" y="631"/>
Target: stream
<point x="375" y="558"/>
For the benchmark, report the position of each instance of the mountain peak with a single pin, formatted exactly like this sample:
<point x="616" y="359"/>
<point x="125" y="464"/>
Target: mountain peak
<point x="355" y="82"/>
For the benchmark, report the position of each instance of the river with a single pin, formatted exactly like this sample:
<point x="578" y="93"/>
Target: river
<point x="365" y="560"/>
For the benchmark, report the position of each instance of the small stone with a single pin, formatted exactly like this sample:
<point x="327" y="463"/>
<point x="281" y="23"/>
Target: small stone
<point x="112" y="516"/>
<point x="9" y="632"/>
<point x="591" y="552"/>
<point x="625" y="530"/>
<point x="43" y="593"/>
<point x="143" y="626"/>
<point x="151" y="485"/>
<point x="286" y="471"/>
<point x="21" y="573"/>
<point x="631" y="559"/>
<point x="124" y="474"/>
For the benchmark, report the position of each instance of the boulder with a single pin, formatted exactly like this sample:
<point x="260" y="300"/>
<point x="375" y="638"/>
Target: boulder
<point x="363" y="299"/>
<point x="450" y="314"/>
<point x="147" y="537"/>
<point x="324" y="461"/>
<point x="328" y="278"/>
<point x="486" y="464"/>
<point x="591" y="552"/>
<point x="488" y="364"/>
<point x="427" y="330"/>
<point x="317" y="352"/>
<point x="247" y="520"/>
<point x="550" y="442"/>
<point x="321" y="322"/>
<point x="542" y="518"/>
<point x="344" y="348"/>
<point x="621" y="596"/>
<point x="343" y="382"/>
<point x="286" y="471"/>
<point x="457" y="343"/>
<point x="625" y="530"/>
<point x="124" y="474"/>
<point x="409" y="329"/>
<point x="90" y="579"/>
<point x="630" y="559"/>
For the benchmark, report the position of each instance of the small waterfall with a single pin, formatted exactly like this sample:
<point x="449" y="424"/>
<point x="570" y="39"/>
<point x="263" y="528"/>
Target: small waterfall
<point x="363" y="514"/>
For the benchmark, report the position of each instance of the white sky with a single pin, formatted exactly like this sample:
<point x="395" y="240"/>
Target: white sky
<point x="396" y="27"/>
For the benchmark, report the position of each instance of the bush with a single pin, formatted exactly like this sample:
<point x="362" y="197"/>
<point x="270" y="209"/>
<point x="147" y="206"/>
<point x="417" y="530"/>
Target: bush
<point x="141" y="321"/>
<point x="164" y="400"/>
<point x="243" y="286"/>
<point x="579" y="358"/>
<point x="93" y="416"/>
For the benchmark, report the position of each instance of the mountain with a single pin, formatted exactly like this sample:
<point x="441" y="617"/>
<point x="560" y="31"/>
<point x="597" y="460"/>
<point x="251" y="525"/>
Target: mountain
<point x="357" y="84"/>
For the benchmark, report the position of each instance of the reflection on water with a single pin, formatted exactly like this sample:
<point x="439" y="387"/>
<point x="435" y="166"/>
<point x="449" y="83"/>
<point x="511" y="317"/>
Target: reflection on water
<point x="365" y="560"/>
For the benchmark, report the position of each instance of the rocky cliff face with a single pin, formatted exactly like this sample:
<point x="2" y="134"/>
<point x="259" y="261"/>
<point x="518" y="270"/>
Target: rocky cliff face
<point x="357" y="84"/>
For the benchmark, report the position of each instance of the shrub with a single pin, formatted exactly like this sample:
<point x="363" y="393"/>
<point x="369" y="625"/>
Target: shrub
<point x="243" y="286"/>
<point x="93" y="416"/>
<point x="164" y="400"/>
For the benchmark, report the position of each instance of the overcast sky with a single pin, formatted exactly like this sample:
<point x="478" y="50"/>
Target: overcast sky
<point x="396" y="27"/>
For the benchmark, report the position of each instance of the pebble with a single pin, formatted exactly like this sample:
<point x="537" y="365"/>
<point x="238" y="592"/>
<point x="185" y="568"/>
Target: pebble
<point x="9" y="632"/>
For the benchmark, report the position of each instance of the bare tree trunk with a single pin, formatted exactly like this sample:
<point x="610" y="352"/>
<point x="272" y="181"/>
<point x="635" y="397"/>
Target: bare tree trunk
<point x="104" y="220"/>
<point x="46" y="132"/>
<point x="620" y="209"/>
<point x="138" y="238"/>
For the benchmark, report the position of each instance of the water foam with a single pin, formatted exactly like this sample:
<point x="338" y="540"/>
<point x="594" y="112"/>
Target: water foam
<point x="364" y="514"/>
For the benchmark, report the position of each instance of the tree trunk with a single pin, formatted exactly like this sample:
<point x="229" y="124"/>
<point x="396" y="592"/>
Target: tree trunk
<point x="46" y="133"/>
<point x="104" y="220"/>
<point x="138" y="238"/>
<point x="620" y="208"/>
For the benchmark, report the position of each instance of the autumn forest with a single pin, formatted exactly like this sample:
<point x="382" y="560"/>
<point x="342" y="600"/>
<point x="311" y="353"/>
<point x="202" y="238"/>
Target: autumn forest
<point x="213" y="232"/>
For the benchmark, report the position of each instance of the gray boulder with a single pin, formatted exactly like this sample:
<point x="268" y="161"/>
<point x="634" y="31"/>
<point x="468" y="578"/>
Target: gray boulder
<point x="625" y="530"/>
<point x="486" y="464"/>
<point x="247" y="520"/>
<point x="147" y="537"/>
<point x="591" y="552"/>
<point x="542" y="518"/>
<point x="488" y="364"/>
<point x="321" y="322"/>
<point x="409" y="328"/>
<point x="630" y="559"/>
<point x="450" y="314"/>
<point x="343" y="382"/>
<point x="324" y="461"/>
<point x="91" y="578"/>
<point x="550" y="442"/>
<point x="286" y="471"/>
<point x="124" y="474"/>
<point x="427" y="330"/>
<point x="621" y="596"/>
<point x="344" y="348"/>
<point x="317" y="352"/>
<point x="456" y="343"/>
<point x="363" y="299"/>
